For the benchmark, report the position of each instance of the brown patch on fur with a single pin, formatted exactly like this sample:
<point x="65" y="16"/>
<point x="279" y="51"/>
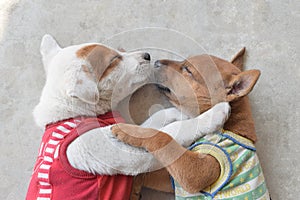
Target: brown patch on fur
<point x="111" y="67"/>
<point x="100" y="57"/>
<point x="85" y="51"/>
<point x="87" y="71"/>
<point x="148" y="138"/>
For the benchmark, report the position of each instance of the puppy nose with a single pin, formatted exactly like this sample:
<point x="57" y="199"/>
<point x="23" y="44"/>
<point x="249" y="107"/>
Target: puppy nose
<point x="157" y="64"/>
<point x="147" y="56"/>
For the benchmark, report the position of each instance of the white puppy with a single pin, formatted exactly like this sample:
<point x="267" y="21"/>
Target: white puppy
<point x="89" y="80"/>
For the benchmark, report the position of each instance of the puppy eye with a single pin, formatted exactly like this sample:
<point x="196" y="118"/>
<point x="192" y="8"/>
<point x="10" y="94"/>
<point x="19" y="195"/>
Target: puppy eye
<point x="186" y="69"/>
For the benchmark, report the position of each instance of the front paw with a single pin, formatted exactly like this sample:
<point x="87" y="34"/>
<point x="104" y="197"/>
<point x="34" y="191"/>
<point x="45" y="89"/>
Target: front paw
<point x="164" y="117"/>
<point x="220" y="114"/>
<point x="214" y="119"/>
<point x="222" y="110"/>
<point x="171" y="115"/>
<point x="124" y="134"/>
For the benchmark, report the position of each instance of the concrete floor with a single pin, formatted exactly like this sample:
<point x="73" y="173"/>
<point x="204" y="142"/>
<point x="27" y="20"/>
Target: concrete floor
<point x="269" y="30"/>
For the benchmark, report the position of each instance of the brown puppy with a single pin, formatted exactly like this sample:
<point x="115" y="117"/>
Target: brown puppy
<point x="212" y="80"/>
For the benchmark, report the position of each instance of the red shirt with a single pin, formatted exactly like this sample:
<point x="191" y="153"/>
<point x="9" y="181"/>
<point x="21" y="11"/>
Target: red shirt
<point x="55" y="179"/>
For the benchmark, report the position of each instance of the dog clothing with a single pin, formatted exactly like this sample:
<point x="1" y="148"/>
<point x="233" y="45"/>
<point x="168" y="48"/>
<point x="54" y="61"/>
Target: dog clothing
<point x="241" y="176"/>
<point x="55" y="179"/>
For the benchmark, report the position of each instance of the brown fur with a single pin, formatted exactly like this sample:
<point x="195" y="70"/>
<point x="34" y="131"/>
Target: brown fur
<point x="86" y="70"/>
<point x="114" y="63"/>
<point x="85" y="51"/>
<point x="242" y="114"/>
<point x="192" y="170"/>
<point x="233" y="87"/>
<point x="158" y="180"/>
<point x="238" y="59"/>
<point x="102" y="59"/>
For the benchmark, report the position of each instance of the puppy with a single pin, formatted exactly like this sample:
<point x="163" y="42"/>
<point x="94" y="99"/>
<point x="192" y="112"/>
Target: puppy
<point x="77" y="108"/>
<point x="235" y="172"/>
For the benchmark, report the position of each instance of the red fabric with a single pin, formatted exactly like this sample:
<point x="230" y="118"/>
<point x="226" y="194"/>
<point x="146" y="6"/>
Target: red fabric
<point x="54" y="178"/>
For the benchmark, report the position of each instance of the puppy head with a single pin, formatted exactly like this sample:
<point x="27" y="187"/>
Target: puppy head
<point x="199" y="82"/>
<point x="92" y="72"/>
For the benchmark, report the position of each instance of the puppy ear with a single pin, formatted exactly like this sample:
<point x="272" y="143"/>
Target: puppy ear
<point x="49" y="48"/>
<point x="81" y="84"/>
<point x="241" y="84"/>
<point x="238" y="59"/>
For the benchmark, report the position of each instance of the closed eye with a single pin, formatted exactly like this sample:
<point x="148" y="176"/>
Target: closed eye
<point x="186" y="69"/>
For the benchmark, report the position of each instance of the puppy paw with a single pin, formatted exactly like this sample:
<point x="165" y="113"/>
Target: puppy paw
<point x="164" y="117"/>
<point x="214" y="119"/>
<point x="220" y="114"/>
<point x="172" y="114"/>
<point x="222" y="111"/>
<point x="134" y="135"/>
<point x="124" y="134"/>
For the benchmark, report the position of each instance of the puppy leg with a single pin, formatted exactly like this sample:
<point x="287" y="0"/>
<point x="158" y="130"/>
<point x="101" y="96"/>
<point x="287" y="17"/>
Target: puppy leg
<point x="187" y="131"/>
<point x="192" y="170"/>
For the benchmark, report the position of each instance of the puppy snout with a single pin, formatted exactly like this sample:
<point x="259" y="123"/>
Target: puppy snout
<point x="147" y="56"/>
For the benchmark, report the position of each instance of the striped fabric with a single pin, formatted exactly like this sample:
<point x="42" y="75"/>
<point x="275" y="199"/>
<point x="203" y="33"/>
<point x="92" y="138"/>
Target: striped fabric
<point x="241" y="176"/>
<point x="54" y="178"/>
<point x="49" y="152"/>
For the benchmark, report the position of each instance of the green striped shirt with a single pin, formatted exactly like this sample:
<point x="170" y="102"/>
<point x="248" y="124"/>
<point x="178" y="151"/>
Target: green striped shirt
<point x="241" y="177"/>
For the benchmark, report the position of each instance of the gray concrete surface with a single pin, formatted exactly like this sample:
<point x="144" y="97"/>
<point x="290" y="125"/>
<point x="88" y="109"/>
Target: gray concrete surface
<point x="269" y="30"/>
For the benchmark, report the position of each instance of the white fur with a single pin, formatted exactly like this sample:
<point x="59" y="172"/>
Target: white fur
<point x="185" y="132"/>
<point x="97" y="151"/>
<point x="63" y="98"/>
